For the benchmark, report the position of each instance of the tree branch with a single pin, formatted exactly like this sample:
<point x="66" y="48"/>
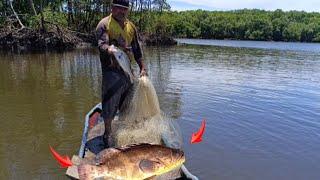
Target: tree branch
<point x="16" y="15"/>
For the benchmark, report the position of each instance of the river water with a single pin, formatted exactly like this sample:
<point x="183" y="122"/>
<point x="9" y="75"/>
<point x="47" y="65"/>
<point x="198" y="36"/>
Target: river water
<point x="261" y="101"/>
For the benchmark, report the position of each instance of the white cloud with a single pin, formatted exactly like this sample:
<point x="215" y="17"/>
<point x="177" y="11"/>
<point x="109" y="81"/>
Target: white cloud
<point x="306" y="5"/>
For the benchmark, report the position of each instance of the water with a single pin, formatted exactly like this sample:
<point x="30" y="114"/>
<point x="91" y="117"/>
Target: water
<point x="262" y="108"/>
<point x="310" y="47"/>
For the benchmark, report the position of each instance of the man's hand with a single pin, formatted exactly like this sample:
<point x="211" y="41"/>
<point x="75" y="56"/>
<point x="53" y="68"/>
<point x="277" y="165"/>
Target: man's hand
<point x="143" y="72"/>
<point x="122" y="43"/>
<point x="110" y="50"/>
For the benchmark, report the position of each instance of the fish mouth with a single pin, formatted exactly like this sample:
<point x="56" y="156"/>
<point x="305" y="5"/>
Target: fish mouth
<point x="177" y="164"/>
<point x="180" y="159"/>
<point x="180" y="155"/>
<point x="177" y="161"/>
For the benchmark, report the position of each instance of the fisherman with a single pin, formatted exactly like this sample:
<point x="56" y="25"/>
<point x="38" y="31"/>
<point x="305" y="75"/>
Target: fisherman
<point x="116" y="30"/>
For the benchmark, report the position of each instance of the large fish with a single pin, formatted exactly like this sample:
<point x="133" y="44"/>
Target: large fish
<point x="132" y="162"/>
<point x="123" y="61"/>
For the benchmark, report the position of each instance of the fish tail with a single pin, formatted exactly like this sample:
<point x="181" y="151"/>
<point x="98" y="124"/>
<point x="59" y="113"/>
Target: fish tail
<point x="86" y="172"/>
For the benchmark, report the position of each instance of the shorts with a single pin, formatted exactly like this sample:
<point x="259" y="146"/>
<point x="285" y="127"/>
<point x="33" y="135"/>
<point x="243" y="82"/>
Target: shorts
<point x="116" y="87"/>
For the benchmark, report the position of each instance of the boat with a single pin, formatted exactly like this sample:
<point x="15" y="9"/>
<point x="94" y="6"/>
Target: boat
<point x="92" y="143"/>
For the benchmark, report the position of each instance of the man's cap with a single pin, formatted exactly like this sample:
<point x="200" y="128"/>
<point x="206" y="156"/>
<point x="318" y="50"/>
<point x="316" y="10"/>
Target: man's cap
<point x="121" y="3"/>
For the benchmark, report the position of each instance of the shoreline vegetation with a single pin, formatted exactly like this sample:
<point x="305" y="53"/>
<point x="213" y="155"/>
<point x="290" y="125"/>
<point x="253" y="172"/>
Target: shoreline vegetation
<point x="64" y="25"/>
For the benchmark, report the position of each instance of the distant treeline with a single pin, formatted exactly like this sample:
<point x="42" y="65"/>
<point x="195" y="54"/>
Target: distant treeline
<point x="155" y="17"/>
<point x="240" y="24"/>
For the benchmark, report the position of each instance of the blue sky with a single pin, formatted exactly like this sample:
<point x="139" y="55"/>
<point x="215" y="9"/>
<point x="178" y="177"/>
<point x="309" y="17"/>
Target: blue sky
<point x="305" y="5"/>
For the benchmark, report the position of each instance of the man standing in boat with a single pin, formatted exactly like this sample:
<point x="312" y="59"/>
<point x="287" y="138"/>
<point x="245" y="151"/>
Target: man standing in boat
<point x="116" y="30"/>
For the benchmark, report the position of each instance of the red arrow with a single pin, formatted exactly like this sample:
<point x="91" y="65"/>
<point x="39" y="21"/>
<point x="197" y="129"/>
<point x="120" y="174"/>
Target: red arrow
<point x="64" y="162"/>
<point x="197" y="137"/>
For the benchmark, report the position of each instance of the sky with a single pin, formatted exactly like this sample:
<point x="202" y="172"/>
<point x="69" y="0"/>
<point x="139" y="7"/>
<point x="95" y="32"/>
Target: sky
<point x="286" y="5"/>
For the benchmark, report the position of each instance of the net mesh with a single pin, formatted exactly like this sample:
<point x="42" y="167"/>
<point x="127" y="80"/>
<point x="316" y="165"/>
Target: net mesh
<point x="142" y="121"/>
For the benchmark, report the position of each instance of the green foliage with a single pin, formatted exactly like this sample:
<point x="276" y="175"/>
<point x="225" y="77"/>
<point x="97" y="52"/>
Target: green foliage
<point x="161" y="27"/>
<point x="2" y="12"/>
<point x="293" y="32"/>
<point x="1" y="20"/>
<point x="316" y="38"/>
<point x="241" y="24"/>
<point x="1" y="6"/>
<point x="50" y="16"/>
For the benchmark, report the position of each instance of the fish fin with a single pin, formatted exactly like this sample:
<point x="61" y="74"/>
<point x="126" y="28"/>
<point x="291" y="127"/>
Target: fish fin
<point x="104" y="155"/>
<point x="86" y="171"/>
<point x="148" y="166"/>
<point x="130" y="146"/>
